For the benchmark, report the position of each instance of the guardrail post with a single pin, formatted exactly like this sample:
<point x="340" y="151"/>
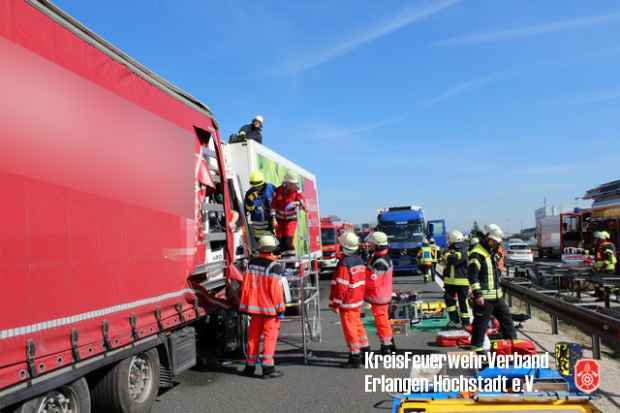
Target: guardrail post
<point x="596" y="347"/>
<point x="554" y="324"/>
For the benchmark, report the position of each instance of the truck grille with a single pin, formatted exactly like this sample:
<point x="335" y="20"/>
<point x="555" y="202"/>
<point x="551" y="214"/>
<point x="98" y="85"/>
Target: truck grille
<point x="404" y="252"/>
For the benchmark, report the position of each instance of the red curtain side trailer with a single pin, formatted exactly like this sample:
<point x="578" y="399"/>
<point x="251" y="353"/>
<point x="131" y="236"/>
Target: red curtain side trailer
<point x="102" y="221"/>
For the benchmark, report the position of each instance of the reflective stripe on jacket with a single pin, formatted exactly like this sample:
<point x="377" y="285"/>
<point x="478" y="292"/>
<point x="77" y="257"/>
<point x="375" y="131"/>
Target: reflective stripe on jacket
<point x="455" y="272"/>
<point x="348" y="283"/>
<point x="425" y="256"/>
<point x="484" y="276"/>
<point x="258" y="204"/>
<point x="605" y="258"/>
<point x="283" y="203"/>
<point x="262" y="292"/>
<point x="379" y="278"/>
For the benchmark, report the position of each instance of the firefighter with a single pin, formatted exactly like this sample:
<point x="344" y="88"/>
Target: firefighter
<point x="436" y="254"/>
<point x="262" y="297"/>
<point x="258" y="205"/>
<point x="484" y="278"/>
<point x="252" y="131"/>
<point x="379" y="288"/>
<point x="347" y="296"/>
<point x="286" y="201"/>
<point x="456" y="283"/>
<point x="425" y="260"/>
<point x="605" y="253"/>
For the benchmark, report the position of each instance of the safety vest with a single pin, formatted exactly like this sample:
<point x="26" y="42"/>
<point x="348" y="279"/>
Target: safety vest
<point x="258" y="204"/>
<point x="435" y="249"/>
<point x="379" y="278"/>
<point x="487" y="278"/>
<point x="348" y="283"/>
<point x="455" y="272"/>
<point x="605" y="259"/>
<point x="262" y="292"/>
<point x="283" y="203"/>
<point x="425" y="256"/>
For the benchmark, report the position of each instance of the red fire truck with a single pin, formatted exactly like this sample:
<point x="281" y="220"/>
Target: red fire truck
<point x="116" y="224"/>
<point x="577" y="227"/>
<point x="331" y="228"/>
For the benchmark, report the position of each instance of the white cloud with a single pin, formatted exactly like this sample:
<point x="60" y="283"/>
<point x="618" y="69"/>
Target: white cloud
<point x="404" y="18"/>
<point x="475" y="38"/>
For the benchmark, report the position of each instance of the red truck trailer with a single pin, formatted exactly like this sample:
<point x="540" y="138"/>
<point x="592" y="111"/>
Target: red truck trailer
<point x="115" y="229"/>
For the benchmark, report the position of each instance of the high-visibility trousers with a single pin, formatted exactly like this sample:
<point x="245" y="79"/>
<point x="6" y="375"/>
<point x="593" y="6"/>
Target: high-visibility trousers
<point x="457" y="294"/>
<point x="353" y="329"/>
<point x="382" y="322"/>
<point x="269" y="328"/>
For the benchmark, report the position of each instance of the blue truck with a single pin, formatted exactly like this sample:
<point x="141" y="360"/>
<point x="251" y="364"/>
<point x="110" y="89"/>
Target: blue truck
<point x="406" y="229"/>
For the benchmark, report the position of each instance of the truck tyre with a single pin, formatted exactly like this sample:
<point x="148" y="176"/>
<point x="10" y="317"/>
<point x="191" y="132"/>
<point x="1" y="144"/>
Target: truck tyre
<point x="130" y="386"/>
<point x="70" y="398"/>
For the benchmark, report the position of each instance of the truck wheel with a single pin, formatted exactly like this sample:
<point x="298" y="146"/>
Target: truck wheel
<point x="130" y="386"/>
<point x="70" y="398"/>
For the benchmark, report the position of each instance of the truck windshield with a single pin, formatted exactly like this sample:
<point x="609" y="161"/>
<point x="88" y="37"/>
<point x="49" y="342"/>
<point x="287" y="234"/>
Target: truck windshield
<point x="328" y="236"/>
<point x="411" y="231"/>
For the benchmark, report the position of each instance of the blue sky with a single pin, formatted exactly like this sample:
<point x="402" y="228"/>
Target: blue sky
<point x="476" y="110"/>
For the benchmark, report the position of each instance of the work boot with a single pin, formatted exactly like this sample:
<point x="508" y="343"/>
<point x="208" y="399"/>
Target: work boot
<point x="270" y="372"/>
<point x="249" y="371"/>
<point x="452" y="325"/>
<point x="354" y="362"/>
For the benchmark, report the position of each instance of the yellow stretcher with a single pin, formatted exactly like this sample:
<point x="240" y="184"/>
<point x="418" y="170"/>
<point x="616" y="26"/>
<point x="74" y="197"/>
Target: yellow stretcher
<point x="497" y="404"/>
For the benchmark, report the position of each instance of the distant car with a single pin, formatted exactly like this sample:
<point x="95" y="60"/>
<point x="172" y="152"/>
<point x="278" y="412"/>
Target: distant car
<point x="517" y="250"/>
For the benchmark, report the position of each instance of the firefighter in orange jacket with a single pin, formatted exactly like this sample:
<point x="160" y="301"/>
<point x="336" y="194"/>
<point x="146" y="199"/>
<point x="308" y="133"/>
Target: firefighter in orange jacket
<point x="262" y="296"/>
<point x="379" y="289"/>
<point x="286" y="200"/>
<point x="347" y="296"/>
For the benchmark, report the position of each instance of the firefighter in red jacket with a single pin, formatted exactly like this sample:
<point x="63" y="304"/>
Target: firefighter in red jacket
<point x="379" y="288"/>
<point x="262" y="296"/>
<point x="347" y="296"/>
<point x="286" y="200"/>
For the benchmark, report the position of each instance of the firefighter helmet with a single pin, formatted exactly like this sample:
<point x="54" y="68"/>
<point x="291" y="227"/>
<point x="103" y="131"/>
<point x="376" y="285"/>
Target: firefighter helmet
<point x="267" y="243"/>
<point x="291" y="178"/>
<point x="349" y="241"/>
<point x="455" y="236"/>
<point x="494" y="232"/>
<point x="258" y="118"/>
<point x="257" y="178"/>
<point x="378" y="239"/>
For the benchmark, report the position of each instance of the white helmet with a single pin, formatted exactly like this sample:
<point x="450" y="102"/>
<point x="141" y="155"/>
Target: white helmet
<point x="349" y="241"/>
<point x="258" y="118"/>
<point x="494" y="232"/>
<point x="378" y="239"/>
<point x="291" y="178"/>
<point x="267" y="243"/>
<point x="474" y="241"/>
<point x="598" y="235"/>
<point x="455" y="236"/>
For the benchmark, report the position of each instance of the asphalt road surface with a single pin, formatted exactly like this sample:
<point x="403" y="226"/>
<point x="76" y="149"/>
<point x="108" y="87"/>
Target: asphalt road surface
<point x="321" y="386"/>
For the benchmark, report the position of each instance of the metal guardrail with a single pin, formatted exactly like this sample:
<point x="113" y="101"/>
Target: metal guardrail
<point x="601" y="327"/>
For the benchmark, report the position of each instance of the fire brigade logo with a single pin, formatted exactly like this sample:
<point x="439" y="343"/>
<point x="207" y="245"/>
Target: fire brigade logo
<point x="587" y="375"/>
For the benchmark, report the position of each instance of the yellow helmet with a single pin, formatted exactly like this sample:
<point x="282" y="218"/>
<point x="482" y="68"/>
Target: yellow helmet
<point x="257" y="178"/>
<point x="605" y="235"/>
